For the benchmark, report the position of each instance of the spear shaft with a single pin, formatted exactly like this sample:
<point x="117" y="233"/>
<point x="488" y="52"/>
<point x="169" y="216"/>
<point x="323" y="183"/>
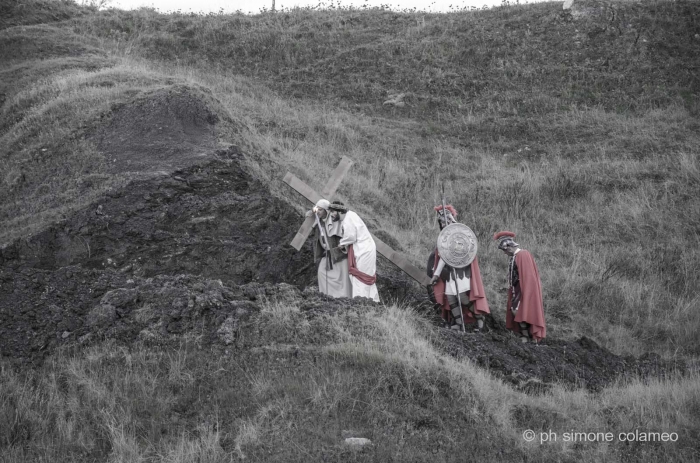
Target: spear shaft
<point x="454" y="272"/>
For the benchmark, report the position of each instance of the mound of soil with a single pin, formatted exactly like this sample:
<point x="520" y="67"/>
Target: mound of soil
<point x="42" y="309"/>
<point x="535" y="368"/>
<point x="162" y="130"/>
<point x="213" y="220"/>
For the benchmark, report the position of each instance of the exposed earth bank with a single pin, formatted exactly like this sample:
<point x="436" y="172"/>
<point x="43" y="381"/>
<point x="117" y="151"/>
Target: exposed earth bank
<point x="199" y="254"/>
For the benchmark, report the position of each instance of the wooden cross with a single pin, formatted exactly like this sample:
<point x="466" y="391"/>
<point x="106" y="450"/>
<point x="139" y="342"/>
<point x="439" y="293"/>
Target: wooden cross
<point x="328" y="191"/>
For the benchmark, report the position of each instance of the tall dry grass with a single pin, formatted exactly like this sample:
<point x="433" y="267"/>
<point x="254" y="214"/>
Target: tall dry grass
<point x="384" y="379"/>
<point x="50" y="166"/>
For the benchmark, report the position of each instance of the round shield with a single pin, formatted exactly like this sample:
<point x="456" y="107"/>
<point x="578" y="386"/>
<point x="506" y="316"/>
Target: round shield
<point x="457" y="245"/>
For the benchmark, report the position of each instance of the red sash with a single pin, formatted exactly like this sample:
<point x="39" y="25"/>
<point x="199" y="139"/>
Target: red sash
<point x="352" y="268"/>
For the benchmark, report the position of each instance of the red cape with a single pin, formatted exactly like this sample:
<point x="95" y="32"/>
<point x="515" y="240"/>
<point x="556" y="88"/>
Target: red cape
<point x="476" y="293"/>
<point x="531" y="308"/>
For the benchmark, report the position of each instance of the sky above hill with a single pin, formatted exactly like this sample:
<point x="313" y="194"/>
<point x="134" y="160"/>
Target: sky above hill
<point x="255" y="6"/>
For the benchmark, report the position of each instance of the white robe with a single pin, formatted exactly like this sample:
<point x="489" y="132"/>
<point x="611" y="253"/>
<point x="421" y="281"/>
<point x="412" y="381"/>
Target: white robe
<point x="355" y="232"/>
<point x="336" y="281"/>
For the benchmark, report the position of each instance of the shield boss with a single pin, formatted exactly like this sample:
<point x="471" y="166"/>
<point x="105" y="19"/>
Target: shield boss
<point x="457" y="245"/>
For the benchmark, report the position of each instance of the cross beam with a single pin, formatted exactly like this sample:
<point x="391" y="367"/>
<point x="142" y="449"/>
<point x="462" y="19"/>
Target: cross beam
<point x="309" y="193"/>
<point x="327" y="192"/>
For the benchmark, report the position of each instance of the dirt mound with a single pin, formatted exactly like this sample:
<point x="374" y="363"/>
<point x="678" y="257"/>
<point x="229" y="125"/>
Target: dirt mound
<point x="41" y="310"/>
<point x="213" y="220"/>
<point x="534" y="368"/>
<point x="165" y="129"/>
<point x="42" y="42"/>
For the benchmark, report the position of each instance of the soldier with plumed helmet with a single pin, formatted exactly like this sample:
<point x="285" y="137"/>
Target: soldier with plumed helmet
<point x="524" y="307"/>
<point x="457" y="289"/>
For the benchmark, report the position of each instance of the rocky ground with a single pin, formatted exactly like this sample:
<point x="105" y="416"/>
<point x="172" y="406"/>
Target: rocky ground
<point x="43" y="309"/>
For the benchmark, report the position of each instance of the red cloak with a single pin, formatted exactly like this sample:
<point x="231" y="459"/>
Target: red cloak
<point x="476" y="294"/>
<point x="531" y="308"/>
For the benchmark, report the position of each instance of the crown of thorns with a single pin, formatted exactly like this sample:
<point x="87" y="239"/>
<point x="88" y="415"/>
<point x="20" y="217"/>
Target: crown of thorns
<point x="338" y="206"/>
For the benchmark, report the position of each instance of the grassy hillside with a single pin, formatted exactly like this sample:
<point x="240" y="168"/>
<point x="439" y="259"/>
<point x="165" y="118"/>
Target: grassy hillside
<point x="577" y="130"/>
<point x="377" y="375"/>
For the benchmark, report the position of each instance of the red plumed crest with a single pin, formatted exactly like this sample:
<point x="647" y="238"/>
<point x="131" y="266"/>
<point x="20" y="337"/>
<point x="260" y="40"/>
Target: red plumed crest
<point x="503" y="234"/>
<point x="449" y="207"/>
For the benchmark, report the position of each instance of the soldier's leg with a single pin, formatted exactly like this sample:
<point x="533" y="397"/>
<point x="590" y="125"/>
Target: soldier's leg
<point x="524" y="331"/>
<point x="456" y="311"/>
<point x="472" y="308"/>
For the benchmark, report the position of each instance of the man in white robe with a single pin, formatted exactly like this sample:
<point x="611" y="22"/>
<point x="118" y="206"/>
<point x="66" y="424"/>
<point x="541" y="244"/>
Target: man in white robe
<point x="362" y="253"/>
<point x="355" y="242"/>
<point x="333" y="276"/>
